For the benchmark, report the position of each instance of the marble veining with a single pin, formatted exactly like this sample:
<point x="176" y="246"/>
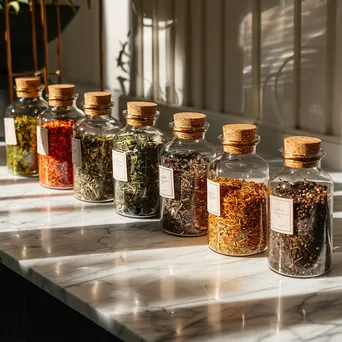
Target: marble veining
<point x="144" y="285"/>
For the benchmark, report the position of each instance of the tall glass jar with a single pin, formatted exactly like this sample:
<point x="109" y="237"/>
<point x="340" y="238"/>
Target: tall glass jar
<point x="20" y="127"/>
<point x="301" y="195"/>
<point x="54" y="133"/>
<point x="92" y="149"/>
<point x="183" y="176"/>
<point x="237" y="194"/>
<point x="136" y="151"/>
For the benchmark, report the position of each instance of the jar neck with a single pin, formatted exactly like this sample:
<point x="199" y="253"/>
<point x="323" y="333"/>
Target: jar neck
<point x="63" y="107"/>
<point x="138" y="126"/>
<point x="140" y="121"/>
<point x="99" y="117"/>
<point x="303" y="163"/>
<point x="189" y="136"/>
<point x="34" y="96"/>
<point x="245" y="150"/>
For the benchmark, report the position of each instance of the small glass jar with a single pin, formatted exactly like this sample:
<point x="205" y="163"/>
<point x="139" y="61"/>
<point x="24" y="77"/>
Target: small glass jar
<point x="136" y="151"/>
<point x="237" y="194"/>
<point x="92" y="149"/>
<point x="20" y="127"/>
<point x="183" y="176"/>
<point x="301" y="195"/>
<point x="54" y="133"/>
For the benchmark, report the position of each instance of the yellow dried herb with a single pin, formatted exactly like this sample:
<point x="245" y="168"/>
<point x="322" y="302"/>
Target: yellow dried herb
<point x="241" y="228"/>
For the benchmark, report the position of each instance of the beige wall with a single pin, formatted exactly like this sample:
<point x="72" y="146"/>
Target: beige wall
<point x="266" y="61"/>
<point x="80" y="46"/>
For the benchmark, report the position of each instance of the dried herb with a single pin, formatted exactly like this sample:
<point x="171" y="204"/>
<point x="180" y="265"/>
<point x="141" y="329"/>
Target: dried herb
<point x="241" y="229"/>
<point x="56" y="169"/>
<point x="186" y="214"/>
<point x="94" y="177"/>
<point x="308" y="251"/>
<point x="139" y="196"/>
<point x="22" y="159"/>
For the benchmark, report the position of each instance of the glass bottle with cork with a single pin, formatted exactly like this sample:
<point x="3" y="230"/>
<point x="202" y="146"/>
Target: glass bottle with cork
<point x="136" y="150"/>
<point x="301" y="195"/>
<point x="92" y="149"/>
<point x="183" y="176"/>
<point x="237" y="194"/>
<point x="20" y="127"/>
<point x="54" y="133"/>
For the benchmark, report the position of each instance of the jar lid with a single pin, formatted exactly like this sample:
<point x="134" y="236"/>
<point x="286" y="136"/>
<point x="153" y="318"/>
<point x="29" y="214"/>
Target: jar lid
<point x="140" y="108"/>
<point x="302" y="146"/>
<point x="244" y="133"/>
<point x="189" y="120"/>
<point x="97" y="99"/>
<point x="61" y="91"/>
<point x="27" y="83"/>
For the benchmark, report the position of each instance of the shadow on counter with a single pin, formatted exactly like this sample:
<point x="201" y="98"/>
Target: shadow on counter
<point x="96" y="239"/>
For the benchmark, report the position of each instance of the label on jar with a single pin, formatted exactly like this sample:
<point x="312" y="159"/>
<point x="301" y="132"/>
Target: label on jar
<point x="166" y="182"/>
<point x="10" y="136"/>
<point x="119" y="166"/>
<point x="281" y="214"/>
<point x="213" y="198"/>
<point x="76" y="151"/>
<point x="42" y="141"/>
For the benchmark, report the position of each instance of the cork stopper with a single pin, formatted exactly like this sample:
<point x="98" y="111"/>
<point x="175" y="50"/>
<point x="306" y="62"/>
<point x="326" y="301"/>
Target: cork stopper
<point x="239" y="132"/>
<point x="189" y="125"/>
<point x="140" y="108"/>
<point x="188" y="120"/>
<point x="97" y="98"/>
<point x="141" y="113"/>
<point x="302" y="145"/>
<point x="61" y="94"/>
<point x="97" y="103"/>
<point x="239" y="138"/>
<point x="301" y="151"/>
<point x="28" y="86"/>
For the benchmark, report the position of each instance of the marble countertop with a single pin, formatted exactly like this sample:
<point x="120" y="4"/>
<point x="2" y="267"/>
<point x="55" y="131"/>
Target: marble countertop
<point x="144" y="285"/>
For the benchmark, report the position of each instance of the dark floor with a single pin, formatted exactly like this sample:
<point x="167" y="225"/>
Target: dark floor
<point x="28" y="314"/>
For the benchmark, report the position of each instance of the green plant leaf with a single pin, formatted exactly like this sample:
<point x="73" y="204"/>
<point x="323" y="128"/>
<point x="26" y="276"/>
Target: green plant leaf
<point x="15" y="5"/>
<point x="26" y="2"/>
<point x="71" y="3"/>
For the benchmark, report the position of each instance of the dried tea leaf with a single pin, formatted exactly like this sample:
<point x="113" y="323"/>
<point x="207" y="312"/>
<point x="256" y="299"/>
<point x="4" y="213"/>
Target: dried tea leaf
<point x="186" y="214"/>
<point x="308" y="251"/>
<point x="241" y="229"/>
<point x="22" y="159"/>
<point x="93" y="179"/>
<point x="139" y="196"/>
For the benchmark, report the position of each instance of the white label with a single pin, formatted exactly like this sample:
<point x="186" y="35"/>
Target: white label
<point x="42" y="141"/>
<point x="119" y="166"/>
<point x="76" y="151"/>
<point x="213" y="198"/>
<point x="10" y="136"/>
<point x="281" y="214"/>
<point x="166" y="182"/>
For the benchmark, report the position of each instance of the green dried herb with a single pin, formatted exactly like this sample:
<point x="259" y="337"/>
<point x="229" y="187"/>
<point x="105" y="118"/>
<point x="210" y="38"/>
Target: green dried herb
<point x="93" y="178"/>
<point x="139" y="196"/>
<point x="186" y="214"/>
<point x="22" y="159"/>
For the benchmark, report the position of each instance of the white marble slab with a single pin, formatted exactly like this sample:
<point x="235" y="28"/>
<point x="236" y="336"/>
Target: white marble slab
<point x="144" y="285"/>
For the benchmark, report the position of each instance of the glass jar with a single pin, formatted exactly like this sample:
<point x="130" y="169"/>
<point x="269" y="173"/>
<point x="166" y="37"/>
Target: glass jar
<point x="136" y="151"/>
<point x="183" y="176"/>
<point x="54" y="133"/>
<point x="301" y="195"/>
<point x="92" y="149"/>
<point x="237" y="194"/>
<point x="20" y="127"/>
